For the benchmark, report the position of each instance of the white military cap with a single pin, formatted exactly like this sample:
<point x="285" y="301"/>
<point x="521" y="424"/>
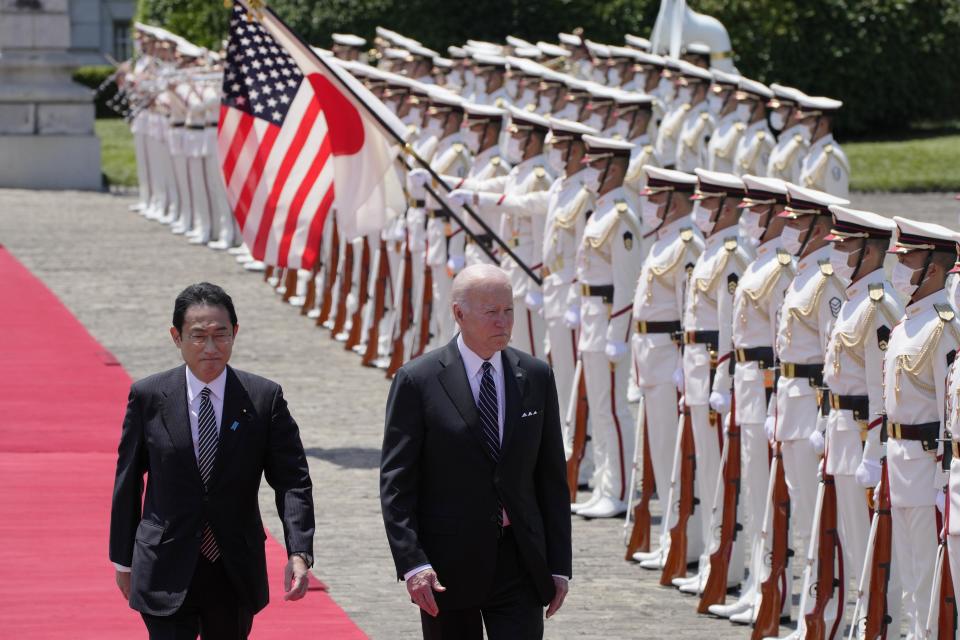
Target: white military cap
<point x="552" y="50"/>
<point x="423" y="52"/>
<point x="631" y="97"/>
<point x="601" y="93"/>
<point x="713" y="184"/>
<point x="622" y="52"/>
<point x="482" y="111"/>
<point x="527" y="118"/>
<point x="456" y="52"/>
<point x="560" y="125"/>
<point x="514" y="41"/>
<point x="348" y="39"/>
<point x="550" y="76"/>
<point x="755" y="88"/>
<point x="782" y="92"/>
<point x="696" y="49"/>
<point x="637" y="42"/>
<point x="818" y="104"/>
<point x="570" y="39"/>
<point x="853" y="223"/>
<point x="763" y="190"/>
<point x="597" y="49"/>
<point x="667" y="180"/>
<point x="722" y="77"/>
<point x="598" y="147"/>
<point x="646" y="58"/>
<point x="693" y="72"/>
<point x="488" y="60"/>
<point x="482" y="45"/>
<point x="386" y="34"/>
<point x="326" y="53"/>
<point x="529" y="53"/>
<point x="393" y="53"/>
<point x="440" y="96"/>
<point x="809" y="202"/>
<point x="187" y="48"/>
<point x="914" y="235"/>
<point x="442" y="63"/>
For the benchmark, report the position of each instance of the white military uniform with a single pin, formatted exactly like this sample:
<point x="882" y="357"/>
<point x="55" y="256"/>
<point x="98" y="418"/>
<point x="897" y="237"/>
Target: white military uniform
<point x="752" y="156"/>
<point x="826" y="168"/>
<point x="668" y="134"/>
<point x="487" y="164"/>
<point x="786" y="158"/>
<point x="953" y="495"/>
<point x="698" y="125"/>
<point x="722" y="147"/>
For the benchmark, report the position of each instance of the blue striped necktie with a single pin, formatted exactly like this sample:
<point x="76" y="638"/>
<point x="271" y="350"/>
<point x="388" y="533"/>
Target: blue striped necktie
<point x="489" y="420"/>
<point x="207" y="444"/>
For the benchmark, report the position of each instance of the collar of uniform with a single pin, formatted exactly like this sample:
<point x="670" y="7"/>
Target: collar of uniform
<point x="698" y="108"/>
<point x="727" y="119"/>
<point x="925" y="304"/>
<point x="674" y="227"/>
<point x="822" y="253"/>
<point x="484" y="156"/>
<point x="714" y="240"/>
<point x="473" y="362"/>
<point x="639" y="143"/>
<point x="822" y="142"/>
<point x="856" y="289"/>
<point x="530" y="164"/>
<point x="609" y="198"/>
<point x="787" y="134"/>
<point x="448" y="141"/>
<point x="770" y="246"/>
<point x="759" y="125"/>
<point x="195" y="385"/>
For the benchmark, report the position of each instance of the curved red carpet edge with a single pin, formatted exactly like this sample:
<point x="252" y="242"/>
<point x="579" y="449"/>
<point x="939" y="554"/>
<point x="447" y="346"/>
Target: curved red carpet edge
<point x="62" y="398"/>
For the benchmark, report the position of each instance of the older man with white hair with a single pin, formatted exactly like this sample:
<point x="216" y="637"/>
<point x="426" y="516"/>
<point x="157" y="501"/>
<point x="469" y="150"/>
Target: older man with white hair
<point x="473" y="478"/>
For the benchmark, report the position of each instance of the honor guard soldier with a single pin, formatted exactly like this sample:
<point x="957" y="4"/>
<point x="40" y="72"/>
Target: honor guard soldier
<point x="730" y="118"/>
<point x="921" y="350"/>
<point x="550" y="93"/>
<point x="697" y="54"/>
<point x="756" y="306"/>
<point x="951" y="457"/>
<point x="580" y="65"/>
<point x="853" y="376"/>
<point x="698" y="125"/>
<point x="665" y="207"/>
<point x="555" y="56"/>
<point x="810" y="307"/>
<point x="489" y="83"/>
<point x="676" y="105"/>
<point x="570" y="202"/>
<point x="756" y="143"/>
<point x="707" y="352"/>
<point x="599" y="107"/>
<point x="621" y="69"/>
<point x="574" y="100"/>
<point x="599" y="54"/>
<point x="636" y="42"/>
<point x="347" y="46"/>
<point x="826" y="166"/>
<point x="793" y="137"/>
<point x="519" y="199"/>
<point x="607" y="264"/>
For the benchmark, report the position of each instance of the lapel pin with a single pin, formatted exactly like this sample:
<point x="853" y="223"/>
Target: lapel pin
<point x="234" y="426"/>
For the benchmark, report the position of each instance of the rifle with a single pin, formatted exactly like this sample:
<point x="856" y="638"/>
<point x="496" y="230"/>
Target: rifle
<point x="828" y="551"/>
<point x="426" y="309"/>
<point x="577" y="416"/>
<point x="379" y="305"/>
<point x="310" y="298"/>
<point x="715" y="590"/>
<point x="684" y="472"/>
<point x="406" y="313"/>
<point x="775" y="589"/>
<point x="330" y="275"/>
<point x="267" y="273"/>
<point x="356" y="320"/>
<point x="879" y="561"/>
<point x="640" y="534"/>
<point x="947" y="620"/>
<point x="346" y="282"/>
<point x="289" y="284"/>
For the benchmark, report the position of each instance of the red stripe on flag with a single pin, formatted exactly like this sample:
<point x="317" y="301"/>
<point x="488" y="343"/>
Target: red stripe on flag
<point x="236" y="144"/>
<point x="312" y="248"/>
<point x="280" y="180"/>
<point x="253" y="178"/>
<point x="293" y="215"/>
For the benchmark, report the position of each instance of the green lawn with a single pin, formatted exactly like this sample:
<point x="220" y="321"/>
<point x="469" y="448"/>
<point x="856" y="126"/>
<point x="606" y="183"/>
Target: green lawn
<point x="921" y="164"/>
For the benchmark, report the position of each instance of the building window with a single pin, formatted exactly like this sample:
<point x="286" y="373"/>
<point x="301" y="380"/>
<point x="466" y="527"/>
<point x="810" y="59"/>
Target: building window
<point x="121" y="39"/>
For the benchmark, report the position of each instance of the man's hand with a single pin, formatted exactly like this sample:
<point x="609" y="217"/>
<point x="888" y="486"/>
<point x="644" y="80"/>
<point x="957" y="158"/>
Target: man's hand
<point x="421" y="586"/>
<point x="295" y="578"/>
<point x="562" y="585"/>
<point x="123" y="582"/>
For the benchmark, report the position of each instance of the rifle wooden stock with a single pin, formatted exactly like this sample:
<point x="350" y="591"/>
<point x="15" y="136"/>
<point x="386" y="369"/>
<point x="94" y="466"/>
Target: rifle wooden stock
<point x="289" y="284"/>
<point x="828" y="552"/>
<point x="640" y="534"/>
<point x="947" y="617"/>
<point x="877" y="616"/>
<point x="267" y="273"/>
<point x="356" y="320"/>
<point x="579" y="434"/>
<point x="715" y="591"/>
<point x="406" y="314"/>
<point x="771" y="594"/>
<point x="346" y="282"/>
<point x="426" y="310"/>
<point x="310" y="299"/>
<point x="379" y="306"/>
<point x="330" y="275"/>
<point x="675" y="566"/>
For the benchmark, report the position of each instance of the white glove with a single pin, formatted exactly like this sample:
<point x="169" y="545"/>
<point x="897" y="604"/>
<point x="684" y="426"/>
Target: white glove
<point x="533" y="300"/>
<point x="459" y="197"/>
<point x="418" y="177"/>
<point x="868" y="473"/>
<point x="352" y="303"/>
<point x="817" y="442"/>
<point x="941" y="500"/>
<point x="615" y="350"/>
<point x="455" y="263"/>
<point x="768" y="426"/>
<point x="678" y="378"/>
<point x="487" y="199"/>
<point x="719" y="402"/>
<point x="571" y="317"/>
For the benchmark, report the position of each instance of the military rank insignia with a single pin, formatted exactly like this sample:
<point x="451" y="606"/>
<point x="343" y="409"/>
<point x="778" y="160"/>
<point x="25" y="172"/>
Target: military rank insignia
<point x="835" y="303"/>
<point x="627" y="240"/>
<point x="732" y="280"/>
<point x="883" y="337"/>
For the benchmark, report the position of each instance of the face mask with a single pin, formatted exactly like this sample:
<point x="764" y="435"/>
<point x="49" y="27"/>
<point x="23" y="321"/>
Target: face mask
<point x="585" y="67"/>
<point x="568" y="112"/>
<point x="590" y="176"/>
<point x="619" y="130"/>
<point x="777" y="121"/>
<point x="792" y="239"/>
<point x="839" y="261"/>
<point x="900" y="279"/>
<point x="701" y="218"/>
<point x="684" y="95"/>
<point x="665" y="90"/>
<point x="750" y="224"/>
<point x="471" y="140"/>
<point x="598" y="76"/>
<point x="413" y="116"/>
<point x="714" y="103"/>
<point x="743" y="111"/>
<point x="544" y="105"/>
<point x="638" y="83"/>
<point x="595" y="120"/>
<point x="433" y="128"/>
<point x="649" y="214"/>
<point x="512" y="87"/>
<point x="556" y="161"/>
<point x="513" y="150"/>
<point x="480" y="86"/>
<point x="953" y="285"/>
<point x="469" y="77"/>
<point x="613" y="77"/>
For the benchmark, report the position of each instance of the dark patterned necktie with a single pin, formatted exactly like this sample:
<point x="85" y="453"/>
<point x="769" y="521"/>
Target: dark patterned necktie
<point x="207" y="437"/>
<point x="489" y="420"/>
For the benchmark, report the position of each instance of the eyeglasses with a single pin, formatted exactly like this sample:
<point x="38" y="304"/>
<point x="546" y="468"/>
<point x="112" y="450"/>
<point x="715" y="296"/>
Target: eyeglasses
<point x="200" y="339"/>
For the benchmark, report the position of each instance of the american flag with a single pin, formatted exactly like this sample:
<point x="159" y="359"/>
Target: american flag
<point x="273" y="148"/>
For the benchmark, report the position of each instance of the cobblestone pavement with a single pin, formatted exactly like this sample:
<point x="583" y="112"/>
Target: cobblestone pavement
<point x="119" y="274"/>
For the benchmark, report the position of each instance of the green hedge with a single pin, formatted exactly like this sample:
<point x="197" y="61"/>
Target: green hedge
<point x="892" y="62"/>
<point x="93" y="77"/>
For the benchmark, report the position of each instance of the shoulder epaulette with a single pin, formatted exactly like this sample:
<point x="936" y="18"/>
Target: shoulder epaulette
<point x="621" y="206"/>
<point x="784" y="257"/>
<point x="730" y="244"/>
<point x="540" y="172"/>
<point x="704" y="116"/>
<point x="761" y="135"/>
<point x="945" y="312"/>
<point x="457" y="147"/>
<point x="828" y="149"/>
<point x="686" y="234"/>
<point x="876" y="291"/>
<point x="797" y="138"/>
<point x="495" y="161"/>
<point x="648" y="148"/>
<point x="825" y="267"/>
<point x="739" y="126"/>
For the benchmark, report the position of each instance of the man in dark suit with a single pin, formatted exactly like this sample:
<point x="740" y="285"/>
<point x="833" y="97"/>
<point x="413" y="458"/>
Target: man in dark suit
<point x="192" y="560"/>
<point x="473" y="479"/>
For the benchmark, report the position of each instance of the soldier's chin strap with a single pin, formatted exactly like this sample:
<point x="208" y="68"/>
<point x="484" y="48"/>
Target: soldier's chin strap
<point x="863" y="251"/>
<point x="806" y="239"/>
<point x="923" y="273"/>
<point x="666" y="212"/>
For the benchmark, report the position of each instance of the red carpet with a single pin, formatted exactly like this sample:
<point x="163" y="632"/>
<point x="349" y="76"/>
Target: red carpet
<point x="62" y="398"/>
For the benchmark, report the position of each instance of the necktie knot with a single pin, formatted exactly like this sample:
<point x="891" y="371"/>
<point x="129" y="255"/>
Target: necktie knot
<point x="205" y="393"/>
<point x="487" y="366"/>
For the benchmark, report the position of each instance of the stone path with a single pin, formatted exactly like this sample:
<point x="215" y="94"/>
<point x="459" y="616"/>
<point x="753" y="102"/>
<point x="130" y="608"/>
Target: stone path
<point x="119" y="274"/>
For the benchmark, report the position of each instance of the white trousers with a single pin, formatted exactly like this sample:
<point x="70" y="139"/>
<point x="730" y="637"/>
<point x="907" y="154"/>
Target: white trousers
<point x="200" y="198"/>
<point x="800" y="464"/>
<point x="660" y="405"/>
<point x="611" y="423"/>
<point x="562" y="343"/>
<point x="707" y="445"/>
<point x="754" y="477"/>
<point x="915" y="537"/>
<point x="143" y="167"/>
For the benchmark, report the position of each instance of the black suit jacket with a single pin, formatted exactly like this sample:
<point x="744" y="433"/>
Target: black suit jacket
<point x="439" y="487"/>
<point x="162" y="543"/>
